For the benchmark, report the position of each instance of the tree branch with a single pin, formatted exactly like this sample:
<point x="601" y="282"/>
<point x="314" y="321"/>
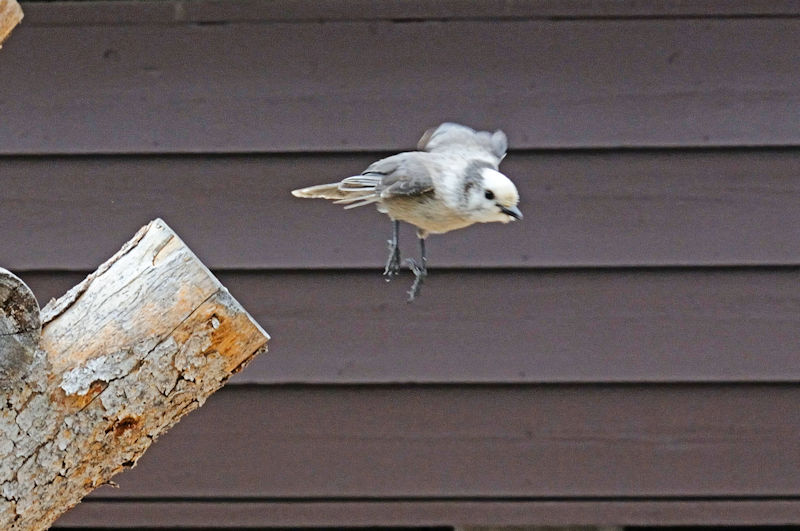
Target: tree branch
<point x="123" y="355"/>
<point x="10" y="15"/>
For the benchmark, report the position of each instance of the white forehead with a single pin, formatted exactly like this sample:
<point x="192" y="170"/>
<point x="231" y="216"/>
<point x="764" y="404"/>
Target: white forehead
<point x="498" y="183"/>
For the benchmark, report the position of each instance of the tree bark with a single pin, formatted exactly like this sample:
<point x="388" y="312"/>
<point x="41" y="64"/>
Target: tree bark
<point x="122" y="356"/>
<point x="10" y="15"/>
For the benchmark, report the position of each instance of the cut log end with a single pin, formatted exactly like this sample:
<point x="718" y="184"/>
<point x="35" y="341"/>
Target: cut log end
<point x="10" y="16"/>
<point x="20" y="327"/>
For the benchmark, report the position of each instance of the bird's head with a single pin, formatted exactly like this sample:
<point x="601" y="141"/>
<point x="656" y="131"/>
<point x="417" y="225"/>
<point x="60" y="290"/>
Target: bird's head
<point x="493" y="197"/>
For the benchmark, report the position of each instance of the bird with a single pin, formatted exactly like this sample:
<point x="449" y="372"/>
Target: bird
<point x="452" y="181"/>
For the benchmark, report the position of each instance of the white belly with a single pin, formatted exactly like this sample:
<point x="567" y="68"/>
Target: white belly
<point x="429" y="215"/>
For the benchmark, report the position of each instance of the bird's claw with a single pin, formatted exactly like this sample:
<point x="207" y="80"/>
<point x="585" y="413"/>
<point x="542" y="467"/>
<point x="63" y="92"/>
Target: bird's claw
<point x="393" y="263"/>
<point x="420" y="272"/>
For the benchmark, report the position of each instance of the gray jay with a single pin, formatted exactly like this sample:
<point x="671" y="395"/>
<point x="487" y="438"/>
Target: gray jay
<point x="450" y="183"/>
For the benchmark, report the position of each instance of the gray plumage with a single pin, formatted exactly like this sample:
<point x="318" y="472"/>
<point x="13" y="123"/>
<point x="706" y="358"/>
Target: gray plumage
<point x="450" y="183"/>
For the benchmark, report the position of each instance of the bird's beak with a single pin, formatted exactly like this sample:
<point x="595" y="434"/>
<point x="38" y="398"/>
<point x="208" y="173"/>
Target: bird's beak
<point x="512" y="211"/>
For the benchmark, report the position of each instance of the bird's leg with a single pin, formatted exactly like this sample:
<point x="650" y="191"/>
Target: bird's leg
<point x="420" y="270"/>
<point x="393" y="263"/>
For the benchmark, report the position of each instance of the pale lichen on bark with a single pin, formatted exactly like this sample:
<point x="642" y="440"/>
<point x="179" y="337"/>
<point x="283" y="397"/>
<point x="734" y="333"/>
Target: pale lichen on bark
<point x="141" y="342"/>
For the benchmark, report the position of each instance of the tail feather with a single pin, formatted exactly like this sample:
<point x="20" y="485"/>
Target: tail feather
<point x="360" y="182"/>
<point x="357" y="201"/>
<point x="355" y="191"/>
<point x="321" y="191"/>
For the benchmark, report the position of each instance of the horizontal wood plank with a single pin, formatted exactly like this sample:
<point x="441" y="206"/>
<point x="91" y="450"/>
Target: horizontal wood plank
<point x="478" y="442"/>
<point x="236" y="515"/>
<point x="682" y="325"/>
<point x="251" y="84"/>
<point x="127" y="12"/>
<point x="583" y="208"/>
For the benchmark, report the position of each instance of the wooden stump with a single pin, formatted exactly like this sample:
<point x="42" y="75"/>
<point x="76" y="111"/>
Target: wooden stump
<point x="122" y="356"/>
<point x="10" y="15"/>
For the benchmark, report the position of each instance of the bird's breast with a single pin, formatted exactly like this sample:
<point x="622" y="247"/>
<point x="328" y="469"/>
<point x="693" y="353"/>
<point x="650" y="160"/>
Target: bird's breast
<point x="427" y="213"/>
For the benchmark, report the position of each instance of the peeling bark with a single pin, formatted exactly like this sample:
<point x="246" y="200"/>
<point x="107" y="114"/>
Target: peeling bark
<point x="122" y="356"/>
<point x="10" y="16"/>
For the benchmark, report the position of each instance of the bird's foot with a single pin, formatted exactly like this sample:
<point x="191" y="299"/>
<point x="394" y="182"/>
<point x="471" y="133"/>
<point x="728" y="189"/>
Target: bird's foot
<point x="393" y="263"/>
<point x="420" y="272"/>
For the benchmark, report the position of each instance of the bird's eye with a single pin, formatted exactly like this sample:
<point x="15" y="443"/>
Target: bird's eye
<point x="489" y="195"/>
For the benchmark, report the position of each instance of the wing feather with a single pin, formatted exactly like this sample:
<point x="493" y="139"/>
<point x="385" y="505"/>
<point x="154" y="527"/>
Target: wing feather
<point x="410" y="175"/>
<point x="449" y="137"/>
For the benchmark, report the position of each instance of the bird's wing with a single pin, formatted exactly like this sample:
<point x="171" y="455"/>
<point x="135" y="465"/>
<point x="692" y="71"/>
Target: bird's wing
<point x="450" y="137"/>
<point x="403" y="175"/>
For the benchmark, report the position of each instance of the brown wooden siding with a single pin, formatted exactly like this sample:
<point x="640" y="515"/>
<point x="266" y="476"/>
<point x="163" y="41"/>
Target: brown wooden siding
<point x="519" y="326"/>
<point x="490" y="442"/>
<point x="582" y="209"/>
<point x="361" y="513"/>
<point x="431" y="455"/>
<point x="625" y="355"/>
<point x="127" y="85"/>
